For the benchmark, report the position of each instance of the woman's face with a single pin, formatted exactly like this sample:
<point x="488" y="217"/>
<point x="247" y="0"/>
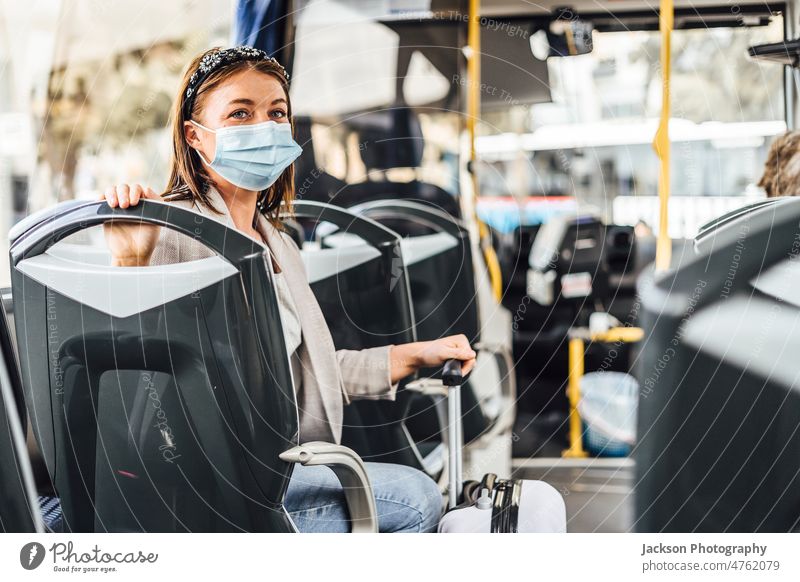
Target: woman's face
<point x="246" y="98"/>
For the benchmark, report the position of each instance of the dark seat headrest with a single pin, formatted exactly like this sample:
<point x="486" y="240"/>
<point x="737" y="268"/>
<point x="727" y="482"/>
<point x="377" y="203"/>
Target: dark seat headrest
<point x="391" y="138"/>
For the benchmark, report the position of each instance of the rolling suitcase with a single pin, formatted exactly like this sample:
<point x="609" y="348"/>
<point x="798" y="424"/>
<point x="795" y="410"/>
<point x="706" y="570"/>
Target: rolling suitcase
<point x="492" y="505"/>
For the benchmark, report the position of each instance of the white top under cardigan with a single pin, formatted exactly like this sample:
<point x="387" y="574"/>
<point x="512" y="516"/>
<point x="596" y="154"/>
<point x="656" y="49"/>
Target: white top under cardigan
<point x="310" y="409"/>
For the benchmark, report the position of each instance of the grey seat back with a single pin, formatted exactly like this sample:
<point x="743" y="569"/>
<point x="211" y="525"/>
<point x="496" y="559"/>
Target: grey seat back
<point x="160" y="396"/>
<point x="359" y="278"/>
<point x="437" y="255"/>
<point x="719" y="444"/>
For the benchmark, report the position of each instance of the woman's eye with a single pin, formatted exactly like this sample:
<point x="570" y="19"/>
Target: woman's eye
<point x="239" y="114"/>
<point x="279" y="113"/>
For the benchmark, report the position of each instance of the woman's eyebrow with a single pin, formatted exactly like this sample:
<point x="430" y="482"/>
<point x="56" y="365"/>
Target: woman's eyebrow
<point x="246" y="101"/>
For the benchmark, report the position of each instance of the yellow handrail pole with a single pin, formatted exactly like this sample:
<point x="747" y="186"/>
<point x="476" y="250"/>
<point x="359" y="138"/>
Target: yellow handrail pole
<point x="576" y="355"/>
<point x="473" y="111"/>
<point x="661" y="142"/>
<point x="473" y="72"/>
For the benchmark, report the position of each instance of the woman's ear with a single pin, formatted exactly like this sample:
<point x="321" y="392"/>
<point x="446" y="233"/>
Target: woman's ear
<point x="190" y="134"/>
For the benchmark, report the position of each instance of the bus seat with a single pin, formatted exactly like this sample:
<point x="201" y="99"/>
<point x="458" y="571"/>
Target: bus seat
<point x="295" y="230"/>
<point x="165" y="402"/>
<point x="49" y="505"/>
<point x="392" y="138"/>
<point x="356" y="271"/>
<point x="414" y="191"/>
<point x="9" y="353"/>
<point x="719" y="406"/>
<point x="19" y="509"/>
<point x="41" y="217"/>
<point x="438" y="257"/>
<point x="566" y="262"/>
<point x="312" y="182"/>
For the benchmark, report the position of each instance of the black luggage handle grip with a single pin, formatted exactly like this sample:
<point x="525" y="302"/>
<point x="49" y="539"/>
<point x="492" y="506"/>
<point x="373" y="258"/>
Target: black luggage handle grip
<point x="215" y="235"/>
<point x="451" y="373"/>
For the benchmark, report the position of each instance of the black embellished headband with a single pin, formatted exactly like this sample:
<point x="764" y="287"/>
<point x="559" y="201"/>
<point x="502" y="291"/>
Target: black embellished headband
<point x="216" y="59"/>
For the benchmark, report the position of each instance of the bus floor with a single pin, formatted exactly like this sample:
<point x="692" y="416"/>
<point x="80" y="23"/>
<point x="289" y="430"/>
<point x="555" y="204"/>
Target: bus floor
<point x="598" y="492"/>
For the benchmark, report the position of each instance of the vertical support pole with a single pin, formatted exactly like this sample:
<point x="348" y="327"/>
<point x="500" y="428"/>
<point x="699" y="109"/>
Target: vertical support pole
<point x="661" y="143"/>
<point x="576" y="355"/>
<point x="791" y="78"/>
<point x="473" y="114"/>
<point x="473" y="73"/>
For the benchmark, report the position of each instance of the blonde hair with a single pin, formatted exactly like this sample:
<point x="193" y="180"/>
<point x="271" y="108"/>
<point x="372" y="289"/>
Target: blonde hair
<point x="782" y="168"/>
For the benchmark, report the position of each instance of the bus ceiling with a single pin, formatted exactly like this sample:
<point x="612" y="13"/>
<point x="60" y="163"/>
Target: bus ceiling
<point x="625" y="10"/>
<point x="605" y="15"/>
<point x="432" y="33"/>
<point x="630" y="19"/>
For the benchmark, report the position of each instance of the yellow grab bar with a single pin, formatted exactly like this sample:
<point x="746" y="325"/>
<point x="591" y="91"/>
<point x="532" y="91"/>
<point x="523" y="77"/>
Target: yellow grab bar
<point x="473" y="112"/>
<point x="576" y="354"/>
<point x="619" y="334"/>
<point x="576" y="371"/>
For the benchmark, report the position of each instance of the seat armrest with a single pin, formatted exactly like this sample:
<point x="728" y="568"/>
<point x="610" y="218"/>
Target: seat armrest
<point x="352" y="474"/>
<point x="508" y="385"/>
<point x="427" y="386"/>
<point x="506" y="362"/>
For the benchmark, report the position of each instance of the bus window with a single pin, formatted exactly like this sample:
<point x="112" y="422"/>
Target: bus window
<point x="376" y="108"/>
<point x="592" y="143"/>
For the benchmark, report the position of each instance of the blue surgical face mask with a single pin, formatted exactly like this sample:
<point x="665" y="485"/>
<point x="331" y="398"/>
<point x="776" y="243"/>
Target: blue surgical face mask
<point x="252" y="156"/>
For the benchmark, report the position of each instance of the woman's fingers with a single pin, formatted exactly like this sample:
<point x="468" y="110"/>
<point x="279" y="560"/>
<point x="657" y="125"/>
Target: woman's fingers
<point x="466" y="367"/>
<point x="111" y="196"/>
<point x="124" y="196"/>
<point x="467" y="362"/>
<point x="141" y="192"/>
<point x="459" y="341"/>
<point x="462" y="352"/>
<point x="136" y="192"/>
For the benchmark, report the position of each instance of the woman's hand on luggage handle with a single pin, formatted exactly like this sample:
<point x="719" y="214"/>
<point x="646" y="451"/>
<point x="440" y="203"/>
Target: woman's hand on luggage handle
<point x="130" y="243"/>
<point x="408" y="358"/>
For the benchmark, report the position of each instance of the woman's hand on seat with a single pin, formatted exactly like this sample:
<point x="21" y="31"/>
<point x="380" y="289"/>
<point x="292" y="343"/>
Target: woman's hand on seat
<point x="130" y="243"/>
<point x="126" y="195"/>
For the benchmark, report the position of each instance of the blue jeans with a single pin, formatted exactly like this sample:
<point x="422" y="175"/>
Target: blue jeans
<point x="407" y="500"/>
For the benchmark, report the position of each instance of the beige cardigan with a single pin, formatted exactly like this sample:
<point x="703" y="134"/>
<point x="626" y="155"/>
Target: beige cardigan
<point x="331" y="377"/>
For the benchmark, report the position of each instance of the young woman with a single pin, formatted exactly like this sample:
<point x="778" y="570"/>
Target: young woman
<point x="232" y="159"/>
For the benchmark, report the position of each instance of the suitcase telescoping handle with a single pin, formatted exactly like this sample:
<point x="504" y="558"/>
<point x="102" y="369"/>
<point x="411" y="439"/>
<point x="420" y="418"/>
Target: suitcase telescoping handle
<point x="452" y="378"/>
